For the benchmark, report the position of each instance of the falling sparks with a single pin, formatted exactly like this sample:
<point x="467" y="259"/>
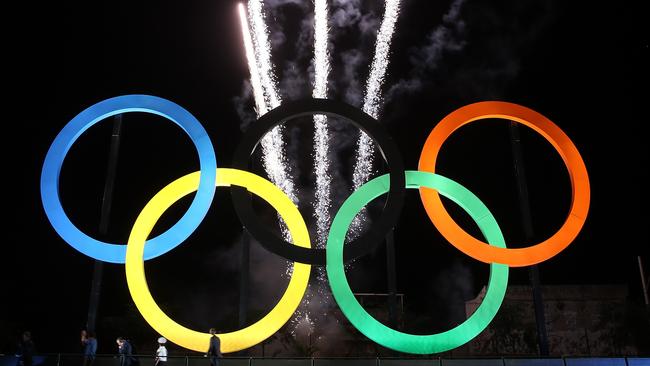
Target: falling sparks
<point x="321" y="134"/>
<point x="303" y="320"/>
<point x="380" y="61"/>
<point x="258" y="92"/>
<point x="263" y="53"/>
<point x="273" y="157"/>
<point x="372" y="98"/>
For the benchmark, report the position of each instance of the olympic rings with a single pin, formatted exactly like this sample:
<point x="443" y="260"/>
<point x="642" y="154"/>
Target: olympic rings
<point x="477" y="249"/>
<point x="139" y="249"/>
<point x="363" y="244"/>
<point x="240" y="339"/>
<point x="369" y="326"/>
<point x="166" y="241"/>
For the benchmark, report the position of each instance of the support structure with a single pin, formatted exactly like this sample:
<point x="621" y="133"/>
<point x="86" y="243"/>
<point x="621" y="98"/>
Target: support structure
<point x="527" y="223"/>
<point x="107" y="202"/>
<point x="391" y="279"/>
<point x="644" y="283"/>
<point x="244" y="280"/>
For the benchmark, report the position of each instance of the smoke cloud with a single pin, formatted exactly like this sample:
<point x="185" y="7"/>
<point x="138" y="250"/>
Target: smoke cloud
<point x="453" y="286"/>
<point x="447" y="37"/>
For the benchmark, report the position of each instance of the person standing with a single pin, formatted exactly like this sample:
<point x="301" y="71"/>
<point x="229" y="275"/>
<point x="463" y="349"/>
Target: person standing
<point x="26" y="349"/>
<point x="89" y="343"/>
<point x="125" y="351"/>
<point x="161" y="352"/>
<point x="214" y="352"/>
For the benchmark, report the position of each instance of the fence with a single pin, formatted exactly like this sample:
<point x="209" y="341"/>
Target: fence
<point x="60" y="359"/>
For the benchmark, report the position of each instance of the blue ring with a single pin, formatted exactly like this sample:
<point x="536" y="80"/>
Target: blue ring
<point x="116" y="253"/>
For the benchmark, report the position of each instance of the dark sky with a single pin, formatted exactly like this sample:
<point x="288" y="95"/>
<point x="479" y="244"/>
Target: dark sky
<point x="583" y="67"/>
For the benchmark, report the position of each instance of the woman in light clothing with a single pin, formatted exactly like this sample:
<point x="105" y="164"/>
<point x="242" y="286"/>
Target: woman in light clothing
<point x="161" y="352"/>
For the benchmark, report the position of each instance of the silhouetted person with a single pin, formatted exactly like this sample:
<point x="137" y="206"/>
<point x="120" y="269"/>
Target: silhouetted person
<point x="89" y="343"/>
<point x="26" y="350"/>
<point x="214" y="352"/>
<point x="125" y="351"/>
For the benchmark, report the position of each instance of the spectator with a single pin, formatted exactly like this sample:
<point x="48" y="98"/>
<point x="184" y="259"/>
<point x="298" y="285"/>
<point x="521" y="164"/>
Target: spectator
<point x="161" y="352"/>
<point x="26" y="350"/>
<point x="125" y="351"/>
<point x="214" y="352"/>
<point x="89" y="343"/>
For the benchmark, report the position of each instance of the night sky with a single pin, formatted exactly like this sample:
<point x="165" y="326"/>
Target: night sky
<point x="584" y="67"/>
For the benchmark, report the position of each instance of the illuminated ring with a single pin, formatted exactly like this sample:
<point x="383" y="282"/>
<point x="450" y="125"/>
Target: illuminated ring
<point x="475" y="248"/>
<point x="168" y="240"/>
<point x="378" y="332"/>
<point x="358" y="247"/>
<point x="240" y="339"/>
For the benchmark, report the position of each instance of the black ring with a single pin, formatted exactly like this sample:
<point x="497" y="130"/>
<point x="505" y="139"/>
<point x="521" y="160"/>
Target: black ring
<point x="363" y="244"/>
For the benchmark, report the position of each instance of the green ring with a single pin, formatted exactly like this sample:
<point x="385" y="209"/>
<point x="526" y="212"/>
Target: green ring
<point x="378" y="332"/>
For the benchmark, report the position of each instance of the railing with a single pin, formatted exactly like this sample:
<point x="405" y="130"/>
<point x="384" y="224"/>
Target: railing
<point x="60" y="359"/>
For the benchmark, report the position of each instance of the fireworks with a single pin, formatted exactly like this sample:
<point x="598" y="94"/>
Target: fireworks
<point x="258" y="92"/>
<point x="263" y="78"/>
<point x="267" y="97"/>
<point x="372" y="100"/>
<point x="321" y="134"/>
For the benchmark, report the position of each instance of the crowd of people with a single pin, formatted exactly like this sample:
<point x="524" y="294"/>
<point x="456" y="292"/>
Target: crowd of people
<point x="26" y="349"/>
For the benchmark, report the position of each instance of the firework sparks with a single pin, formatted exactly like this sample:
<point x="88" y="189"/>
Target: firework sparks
<point x="273" y="157"/>
<point x="321" y="134"/>
<point x="372" y="98"/>
<point x="263" y="53"/>
<point x="380" y="61"/>
<point x="258" y="92"/>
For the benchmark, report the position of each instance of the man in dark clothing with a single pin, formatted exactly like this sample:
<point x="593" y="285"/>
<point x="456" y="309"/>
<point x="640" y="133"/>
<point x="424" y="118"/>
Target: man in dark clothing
<point x="125" y="351"/>
<point x="214" y="352"/>
<point x="89" y="343"/>
<point x="25" y="350"/>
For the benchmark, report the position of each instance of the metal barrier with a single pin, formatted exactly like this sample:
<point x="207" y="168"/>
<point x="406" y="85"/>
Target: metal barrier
<point x="61" y="359"/>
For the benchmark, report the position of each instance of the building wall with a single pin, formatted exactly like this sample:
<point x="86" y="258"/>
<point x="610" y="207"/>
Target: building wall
<point x="580" y="320"/>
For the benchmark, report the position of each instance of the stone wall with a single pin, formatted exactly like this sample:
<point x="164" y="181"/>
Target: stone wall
<point x="580" y="320"/>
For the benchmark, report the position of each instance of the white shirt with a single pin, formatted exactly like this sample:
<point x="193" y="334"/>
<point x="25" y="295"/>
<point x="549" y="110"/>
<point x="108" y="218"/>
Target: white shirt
<point x="161" y="353"/>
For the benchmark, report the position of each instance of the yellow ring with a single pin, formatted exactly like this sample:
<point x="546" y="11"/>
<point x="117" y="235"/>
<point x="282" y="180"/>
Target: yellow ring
<point x="191" y="339"/>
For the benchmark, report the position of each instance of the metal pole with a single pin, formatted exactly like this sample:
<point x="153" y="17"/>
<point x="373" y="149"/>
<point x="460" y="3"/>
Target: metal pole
<point x="391" y="275"/>
<point x="392" y="281"/>
<point x="107" y="200"/>
<point x="244" y="278"/>
<point x="643" y="282"/>
<point x="527" y="223"/>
